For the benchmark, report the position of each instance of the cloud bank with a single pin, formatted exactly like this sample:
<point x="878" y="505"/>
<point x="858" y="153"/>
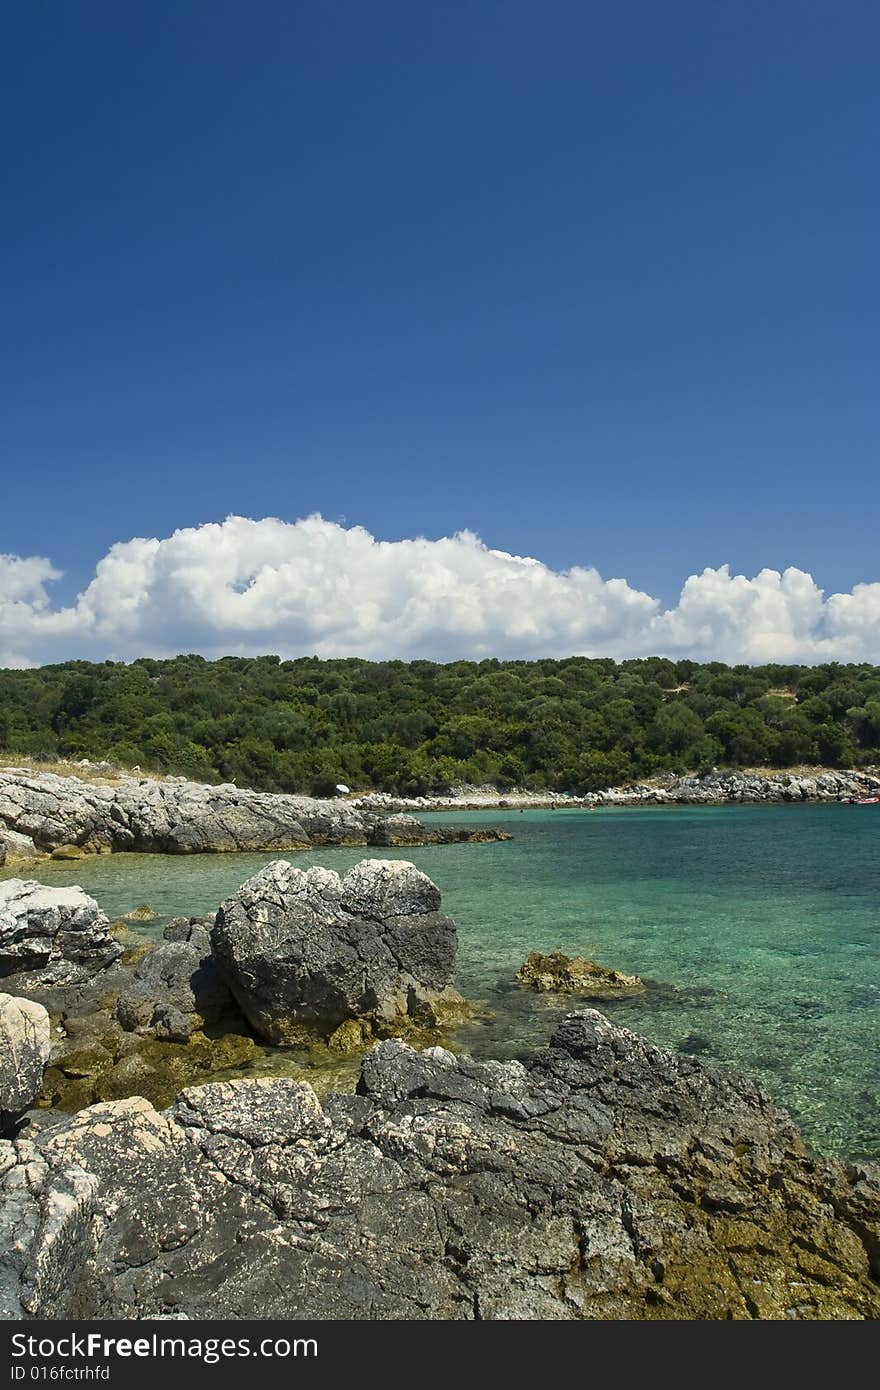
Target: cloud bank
<point x="314" y="587"/>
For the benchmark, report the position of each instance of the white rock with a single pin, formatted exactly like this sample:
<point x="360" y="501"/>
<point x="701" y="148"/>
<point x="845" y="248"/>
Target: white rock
<point x="25" y="1044"/>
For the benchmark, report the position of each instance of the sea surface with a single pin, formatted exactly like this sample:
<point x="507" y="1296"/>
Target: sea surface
<point x="758" y="928"/>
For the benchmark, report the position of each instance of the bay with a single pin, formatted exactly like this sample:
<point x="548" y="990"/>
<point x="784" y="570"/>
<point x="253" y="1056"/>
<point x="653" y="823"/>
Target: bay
<point x="758" y="928"/>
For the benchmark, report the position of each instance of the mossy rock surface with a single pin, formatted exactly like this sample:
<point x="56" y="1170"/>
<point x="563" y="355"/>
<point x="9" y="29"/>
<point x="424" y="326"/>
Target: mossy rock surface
<point x="115" y="1065"/>
<point x="81" y="1062"/>
<point x="135" y="946"/>
<point x="351" y="1036"/>
<point x="160" y="1070"/>
<point x="560" y="974"/>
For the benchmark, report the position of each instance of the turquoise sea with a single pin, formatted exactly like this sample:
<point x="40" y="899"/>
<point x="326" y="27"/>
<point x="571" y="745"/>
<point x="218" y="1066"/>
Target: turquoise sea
<point x="759" y="928"/>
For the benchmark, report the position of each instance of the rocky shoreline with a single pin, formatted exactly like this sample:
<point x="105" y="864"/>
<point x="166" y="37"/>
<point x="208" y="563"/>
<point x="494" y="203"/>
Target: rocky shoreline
<point x="708" y="789"/>
<point x="606" y="1178"/>
<point x="42" y="813"/>
<point x="603" y="1178"/>
<point x="294" y="958"/>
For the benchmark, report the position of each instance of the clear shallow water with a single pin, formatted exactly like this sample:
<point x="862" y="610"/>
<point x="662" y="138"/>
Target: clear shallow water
<point x="759" y="925"/>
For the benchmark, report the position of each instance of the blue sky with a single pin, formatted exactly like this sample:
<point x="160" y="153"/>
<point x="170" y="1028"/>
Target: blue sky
<point x="597" y="281"/>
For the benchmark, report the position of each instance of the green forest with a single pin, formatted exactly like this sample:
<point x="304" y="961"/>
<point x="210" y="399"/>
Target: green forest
<point x="417" y="727"/>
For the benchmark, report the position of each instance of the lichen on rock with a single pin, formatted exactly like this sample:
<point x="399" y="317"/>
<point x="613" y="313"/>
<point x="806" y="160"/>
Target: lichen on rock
<point x="25" y="1044"/>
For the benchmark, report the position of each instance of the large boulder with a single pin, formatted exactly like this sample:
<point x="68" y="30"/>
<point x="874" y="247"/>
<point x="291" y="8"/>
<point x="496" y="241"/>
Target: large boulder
<point x="14" y="846"/>
<point x="306" y="949"/>
<point x="25" y="1043"/>
<point x="51" y="937"/>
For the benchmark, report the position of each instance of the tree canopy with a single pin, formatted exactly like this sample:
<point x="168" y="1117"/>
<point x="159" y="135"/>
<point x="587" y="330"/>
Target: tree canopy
<point x="577" y="725"/>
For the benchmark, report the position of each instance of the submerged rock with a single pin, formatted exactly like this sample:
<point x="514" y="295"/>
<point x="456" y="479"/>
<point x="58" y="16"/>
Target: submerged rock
<point x="25" y="1043"/>
<point x="605" y="1179"/>
<point x="305" y="949"/>
<point x="158" y="1068"/>
<point x="95" y="1058"/>
<point x="562" y="974"/>
<point x="144" y="913"/>
<point x="51" y="937"/>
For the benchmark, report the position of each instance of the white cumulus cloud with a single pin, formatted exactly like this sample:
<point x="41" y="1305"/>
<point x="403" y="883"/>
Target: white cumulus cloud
<point x="313" y="586"/>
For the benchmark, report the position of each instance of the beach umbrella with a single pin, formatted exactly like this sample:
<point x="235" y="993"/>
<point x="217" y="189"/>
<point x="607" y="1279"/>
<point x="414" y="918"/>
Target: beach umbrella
<point x="341" y="787"/>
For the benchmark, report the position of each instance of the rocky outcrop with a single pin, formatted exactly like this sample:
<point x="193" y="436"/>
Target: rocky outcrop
<point x="402" y="831"/>
<point x="51" y="937"/>
<point x="69" y="816"/>
<point x="563" y="974"/>
<point x="156" y="1021"/>
<point x="307" y="950"/>
<point x="25" y="1042"/>
<point x="129" y="1016"/>
<point x="302" y="958"/>
<point x="718" y="788"/>
<point x="606" y="1179"/>
<point x="711" y="788"/>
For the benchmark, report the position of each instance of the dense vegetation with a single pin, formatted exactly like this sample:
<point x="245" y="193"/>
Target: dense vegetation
<point x="414" y="727"/>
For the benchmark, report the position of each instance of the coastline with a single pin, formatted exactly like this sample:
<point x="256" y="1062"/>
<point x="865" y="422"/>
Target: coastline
<point x="94" y="809"/>
<point x="747" y="786"/>
<point x="654" y="1185"/>
<point x="603" y="1178"/>
<point x="67" y="817"/>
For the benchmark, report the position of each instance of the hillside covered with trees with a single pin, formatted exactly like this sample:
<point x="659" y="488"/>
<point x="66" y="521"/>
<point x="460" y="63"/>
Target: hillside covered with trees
<point x="415" y="727"/>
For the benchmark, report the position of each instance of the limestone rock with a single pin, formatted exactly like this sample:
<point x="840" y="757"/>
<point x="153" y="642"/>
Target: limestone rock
<point x="310" y="948"/>
<point x="195" y="930"/>
<point x="51" y="936"/>
<point x="46" y="1232"/>
<point x="14" y="846"/>
<point x="25" y="1043"/>
<point x="606" y="1179"/>
<point x="563" y="974"/>
<point x="176" y="816"/>
<point x="718" y="788"/>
